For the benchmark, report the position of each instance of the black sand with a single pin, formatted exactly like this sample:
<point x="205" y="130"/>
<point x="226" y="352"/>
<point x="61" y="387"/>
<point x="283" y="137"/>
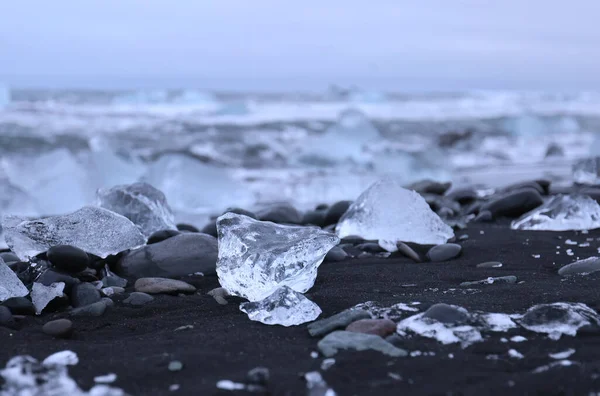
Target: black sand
<point x="137" y="344"/>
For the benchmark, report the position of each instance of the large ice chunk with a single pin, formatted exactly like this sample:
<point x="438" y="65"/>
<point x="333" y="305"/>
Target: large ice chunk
<point x="587" y="171"/>
<point x="96" y="230"/>
<point x="41" y="295"/>
<point x="256" y="258"/>
<point x="562" y="213"/>
<point x="284" y="307"/>
<point x="141" y="203"/>
<point x="390" y="213"/>
<point x="10" y="284"/>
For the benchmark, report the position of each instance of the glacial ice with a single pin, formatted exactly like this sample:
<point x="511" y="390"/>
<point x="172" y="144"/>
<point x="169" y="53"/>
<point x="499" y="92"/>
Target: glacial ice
<point x="41" y="295"/>
<point x="10" y="284"/>
<point x="284" y="307"/>
<point x="561" y="213"/>
<point x="587" y="171"/>
<point x="141" y="203"/>
<point x="559" y="318"/>
<point x="256" y="258"/>
<point x="95" y="230"/>
<point x="390" y="213"/>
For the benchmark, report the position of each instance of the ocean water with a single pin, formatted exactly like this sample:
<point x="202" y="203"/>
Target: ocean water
<point x="209" y="151"/>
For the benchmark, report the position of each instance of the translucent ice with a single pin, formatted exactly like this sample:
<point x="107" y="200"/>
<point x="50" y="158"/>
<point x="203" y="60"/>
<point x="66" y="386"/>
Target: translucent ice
<point x="562" y="213"/>
<point x="284" y="307"/>
<point x="559" y="318"/>
<point x="390" y="213"/>
<point x="587" y="171"/>
<point x="96" y="230"/>
<point x="10" y="284"/>
<point x="41" y="295"/>
<point x="256" y="258"/>
<point x="141" y="203"/>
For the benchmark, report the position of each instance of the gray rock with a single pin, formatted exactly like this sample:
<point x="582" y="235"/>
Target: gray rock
<point x="107" y="301"/>
<point x="162" y="285"/>
<point x="337" y="321"/>
<point x="429" y="187"/>
<point x="60" y="328"/>
<point x="336" y="211"/>
<point x="50" y="276"/>
<point x="408" y="252"/>
<point x="514" y="204"/>
<point x="490" y="264"/>
<point x="19" y="306"/>
<point x="448" y="314"/>
<point x="281" y="214"/>
<point x="370" y="247"/>
<point x="219" y="295"/>
<point x="491" y="280"/>
<point x="336" y="254"/>
<point x="84" y="294"/>
<point x="6" y="316"/>
<point x="180" y="255"/>
<point x="95" y="309"/>
<point x="581" y="267"/>
<point x="314" y="217"/>
<point x="114" y="280"/>
<point x="485" y="216"/>
<point x="138" y="299"/>
<point x="444" y="252"/>
<point x="162" y="235"/>
<point x="342" y="340"/>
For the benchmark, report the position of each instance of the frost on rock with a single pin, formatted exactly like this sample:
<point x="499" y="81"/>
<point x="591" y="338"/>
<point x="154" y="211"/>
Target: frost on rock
<point x="256" y="258"/>
<point x="587" y="171"/>
<point x="141" y="203"/>
<point x="10" y="284"/>
<point x="562" y="213"/>
<point x="41" y="295"/>
<point x="95" y="230"/>
<point x="285" y="307"/>
<point x="26" y="376"/>
<point x="390" y="213"/>
<point x="559" y="318"/>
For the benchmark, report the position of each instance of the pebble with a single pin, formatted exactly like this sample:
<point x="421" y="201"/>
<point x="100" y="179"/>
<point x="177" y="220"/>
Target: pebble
<point x="342" y="340"/>
<point x="19" y="306"/>
<point x="68" y="258"/>
<point x="444" y="252"/>
<point x="337" y="321"/>
<point x="60" y="328"/>
<point x="175" y="365"/>
<point x="162" y="235"/>
<point x="490" y="264"/>
<point x="336" y="211"/>
<point x="336" y="254"/>
<point x="281" y="214"/>
<point x="445" y="313"/>
<point x="107" y="301"/>
<point x="6" y="317"/>
<point x="380" y="327"/>
<point x="95" y="309"/>
<point x="491" y="280"/>
<point x="314" y="217"/>
<point x="84" y="294"/>
<point x="219" y="294"/>
<point x="430" y="187"/>
<point x="138" y="299"/>
<point x="463" y="196"/>
<point x="581" y="267"/>
<point x="514" y="204"/>
<point x="408" y="252"/>
<point x="162" y="285"/>
<point x="187" y="228"/>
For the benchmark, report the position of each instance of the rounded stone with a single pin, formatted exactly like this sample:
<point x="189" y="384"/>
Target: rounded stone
<point x="490" y="264"/>
<point x="314" y="217"/>
<point x="370" y="247"/>
<point x="138" y="299"/>
<point x="581" y="267"/>
<point x="444" y="252"/>
<point x="175" y="365"/>
<point x="161" y="235"/>
<point x="60" y="328"/>
<point x="6" y="316"/>
<point x="51" y="276"/>
<point x="95" y="309"/>
<point x="211" y="228"/>
<point x="336" y="211"/>
<point x="380" y="327"/>
<point x="84" y="294"/>
<point x="336" y="254"/>
<point x="514" y="204"/>
<point x="187" y="228"/>
<point x="281" y="214"/>
<point x="19" y="306"/>
<point x="445" y="313"/>
<point x="162" y="285"/>
<point x="68" y="258"/>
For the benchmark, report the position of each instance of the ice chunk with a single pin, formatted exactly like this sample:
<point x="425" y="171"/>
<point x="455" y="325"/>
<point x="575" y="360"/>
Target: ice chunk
<point x="41" y="295"/>
<point x="256" y="258"/>
<point x="559" y="318"/>
<point x="316" y="385"/>
<point x="107" y="169"/>
<point x="141" y="203"/>
<point x="10" y="284"/>
<point x="390" y="213"/>
<point x="284" y="307"/>
<point x="96" y="230"/>
<point x="587" y="171"/>
<point x="562" y="213"/>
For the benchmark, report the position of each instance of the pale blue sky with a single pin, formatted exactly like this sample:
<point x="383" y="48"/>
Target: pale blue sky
<point x="285" y="44"/>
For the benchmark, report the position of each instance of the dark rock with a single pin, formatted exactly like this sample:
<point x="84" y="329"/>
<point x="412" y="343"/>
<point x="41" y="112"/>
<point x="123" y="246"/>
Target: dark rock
<point x="454" y="138"/>
<point x="370" y="247"/>
<point x="554" y="151"/>
<point x="485" y="216"/>
<point x="68" y="258"/>
<point x="138" y="299"/>
<point x="351" y="250"/>
<point x="87" y="275"/>
<point x="163" y="285"/>
<point x="592" y="192"/>
<point x="322" y="207"/>
<point x="314" y="217"/>
<point x="220" y="295"/>
<point x="581" y="267"/>
<point x="9" y="257"/>
<point x="514" y="204"/>
<point x="180" y="255"/>
<point x="114" y="281"/>
<point x="336" y="254"/>
<point x="211" y="228"/>
<point x="353" y="239"/>
<point x="448" y="314"/>
<point x="473" y="208"/>
<point x="463" y="196"/>
<point x="337" y="321"/>
<point x="51" y="276"/>
<point x="187" y="228"/>
<point x="336" y="211"/>
<point x="380" y="327"/>
<point x="19" y="306"/>
<point x="258" y="376"/>
<point x="523" y="185"/>
<point x="395" y="340"/>
<point x="281" y="214"/>
<point x="84" y="294"/>
<point x="107" y="301"/>
<point x="6" y="317"/>
<point x="161" y="235"/>
<point x="545" y="184"/>
<point x="444" y="252"/>
<point x="60" y="328"/>
<point x="95" y="309"/>
<point x="241" y="212"/>
<point x="429" y="187"/>
<point x="343" y="340"/>
<point x="490" y="264"/>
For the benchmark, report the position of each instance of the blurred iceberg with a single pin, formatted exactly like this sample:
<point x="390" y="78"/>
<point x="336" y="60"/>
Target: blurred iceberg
<point x="562" y="213"/>
<point x="192" y="97"/>
<point x="236" y="108"/>
<point x="587" y="171"/>
<point x="373" y="97"/>
<point x="4" y="96"/>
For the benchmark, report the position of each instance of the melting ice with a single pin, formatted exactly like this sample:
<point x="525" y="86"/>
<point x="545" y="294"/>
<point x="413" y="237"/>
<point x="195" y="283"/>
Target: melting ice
<point x="562" y="213"/>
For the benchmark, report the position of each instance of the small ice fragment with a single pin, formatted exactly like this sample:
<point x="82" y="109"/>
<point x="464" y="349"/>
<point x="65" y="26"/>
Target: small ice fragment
<point x="570" y="242"/>
<point x="450" y="356"/>
<point x="316" y="385"/>
<point x="314" y="354"/>
<point x="106" y="379"/>
<point x="560" y="363"/>
<point x="284" y="307"/>
<point x="497" y="322"/>
<point x="10" y="284"/>
<point x="559" y="318"/>
<point x="504" y="340"/>
<point x="518" y="339"/>
<point x="562" y="213"/>
<point x="562" y="355"/>
<point x="513" y="353"/>
<point x="570" y="252"/>
<point x="395" y="376"/>
<point x="327" y="363"/>
<point x="174" y="387"/>
<point x="63" y="358"/>
<point x="141" y="203"/>
<point x="95" y="230"/>
<point x="41" y="295"/>
<point x="445" y="333"/>
<point x="256" y="258"/>
<point x="584" y="244"/>
<point x="230" y="385"/>
<point x="536" y="256"/>
<point x="389" y="213"/>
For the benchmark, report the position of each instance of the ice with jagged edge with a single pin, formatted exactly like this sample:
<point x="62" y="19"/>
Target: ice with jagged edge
<point x="559" y="318"/>
<point x="258" y="257"/>
<point x="41" y="295"/>
<point x="380" y="311"/>
<point x="390" y="213"/>
<point x="587" y="171"/>
<point x="95" y="230"/>
<point x="284" y="307"/>
<point x="562" y="213"/>
<point x="10" y="284"/>
<point x="26" y="376"/>
<point x="141" y="203"/>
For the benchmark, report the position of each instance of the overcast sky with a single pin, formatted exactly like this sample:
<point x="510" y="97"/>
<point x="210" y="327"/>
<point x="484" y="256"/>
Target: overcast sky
<point x="294" y="44"/>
